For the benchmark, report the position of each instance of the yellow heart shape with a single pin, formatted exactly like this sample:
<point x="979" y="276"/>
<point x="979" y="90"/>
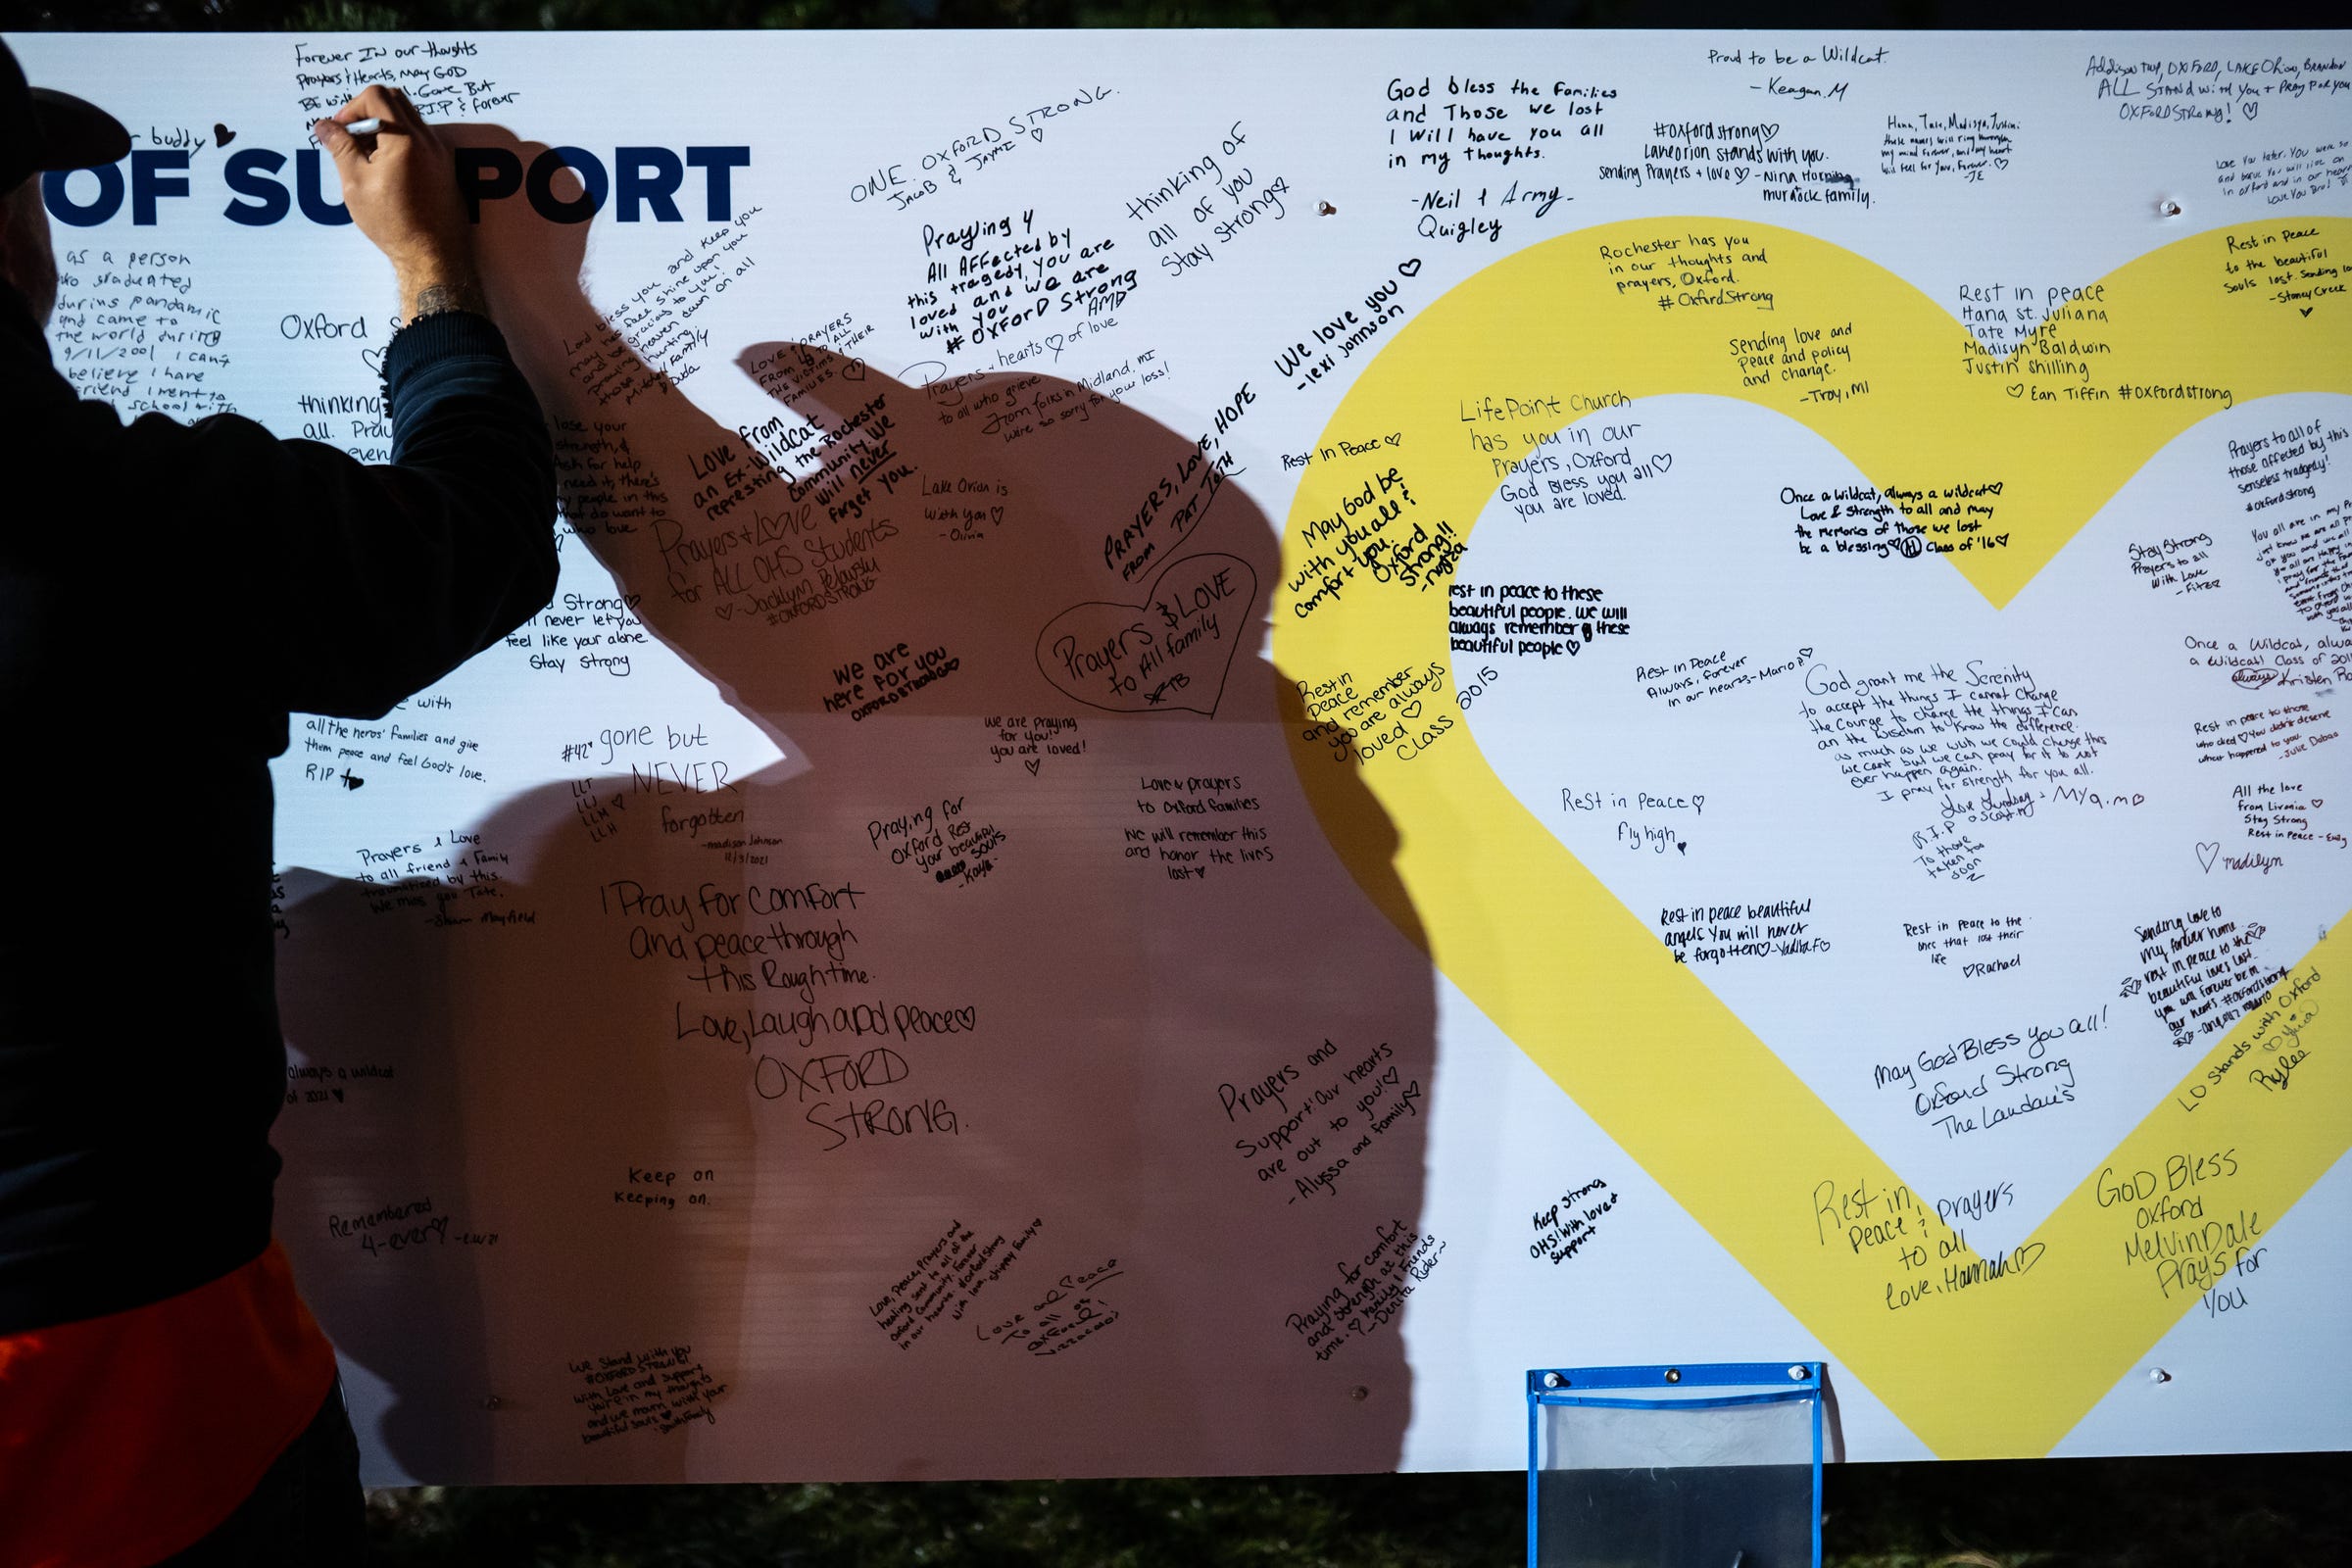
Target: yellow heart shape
<point x="1980" y="1357"/>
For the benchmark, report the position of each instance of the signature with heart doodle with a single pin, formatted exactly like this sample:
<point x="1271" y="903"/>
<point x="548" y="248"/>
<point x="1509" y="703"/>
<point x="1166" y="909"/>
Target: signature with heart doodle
<point x="1031" y="740"/>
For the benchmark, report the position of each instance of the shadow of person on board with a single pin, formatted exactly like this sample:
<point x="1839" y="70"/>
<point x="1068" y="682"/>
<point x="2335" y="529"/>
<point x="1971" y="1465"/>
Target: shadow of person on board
<point x="1139" y="1060"/>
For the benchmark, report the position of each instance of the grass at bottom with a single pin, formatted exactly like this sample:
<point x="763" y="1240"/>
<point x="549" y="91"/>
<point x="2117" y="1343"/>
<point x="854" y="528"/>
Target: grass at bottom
<point x="2192" y="1511"/>
<point x="2233" y="1511"/>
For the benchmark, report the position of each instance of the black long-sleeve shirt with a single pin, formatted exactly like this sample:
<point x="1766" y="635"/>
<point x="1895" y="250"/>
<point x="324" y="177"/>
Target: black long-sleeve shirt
<point x="169" y="594"/>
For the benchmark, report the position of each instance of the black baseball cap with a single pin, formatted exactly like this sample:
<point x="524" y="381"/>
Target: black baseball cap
<point x="42" y="130"/>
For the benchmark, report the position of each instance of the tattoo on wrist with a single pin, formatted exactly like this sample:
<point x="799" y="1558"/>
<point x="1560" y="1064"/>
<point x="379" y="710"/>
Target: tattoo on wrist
<point x="435" y="298"/>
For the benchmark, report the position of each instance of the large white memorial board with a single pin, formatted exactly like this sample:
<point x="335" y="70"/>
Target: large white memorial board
<point x="1246" y="729"/>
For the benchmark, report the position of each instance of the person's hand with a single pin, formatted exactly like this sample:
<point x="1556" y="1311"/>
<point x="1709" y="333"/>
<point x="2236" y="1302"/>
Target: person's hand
<point x="402" y="191"/>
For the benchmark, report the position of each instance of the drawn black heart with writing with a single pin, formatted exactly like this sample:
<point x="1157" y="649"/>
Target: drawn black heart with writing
<point x="222" y="134"/>
<point x="1170" y="652"/>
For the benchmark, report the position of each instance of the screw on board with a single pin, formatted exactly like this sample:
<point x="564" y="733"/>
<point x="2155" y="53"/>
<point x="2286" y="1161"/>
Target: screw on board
<point x="1359" y="1394"/>
<point x="2166" y="207"/>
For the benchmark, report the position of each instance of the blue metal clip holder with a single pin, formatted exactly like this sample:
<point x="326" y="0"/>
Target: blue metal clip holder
<point x="1697" y="1466"/>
